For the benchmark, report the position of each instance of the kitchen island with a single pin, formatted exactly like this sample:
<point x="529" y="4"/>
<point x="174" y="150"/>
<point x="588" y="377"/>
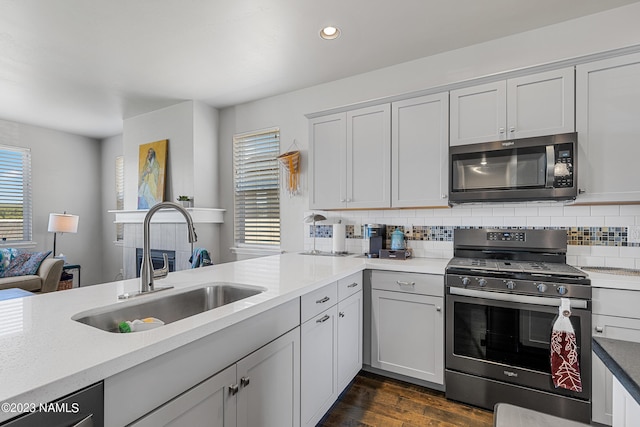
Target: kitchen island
<point x="45" y="354"/>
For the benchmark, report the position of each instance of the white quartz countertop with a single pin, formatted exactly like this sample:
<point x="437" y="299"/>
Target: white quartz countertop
<point x="613" y="281"/>
<point x="44" y="354"/>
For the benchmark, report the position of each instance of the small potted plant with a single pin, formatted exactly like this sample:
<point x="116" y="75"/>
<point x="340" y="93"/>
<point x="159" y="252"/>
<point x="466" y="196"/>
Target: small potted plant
<point x="186" y="201"/>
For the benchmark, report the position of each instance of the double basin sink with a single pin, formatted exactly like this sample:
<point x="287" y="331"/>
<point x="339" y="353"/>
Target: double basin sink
<point x="170" y="307"/>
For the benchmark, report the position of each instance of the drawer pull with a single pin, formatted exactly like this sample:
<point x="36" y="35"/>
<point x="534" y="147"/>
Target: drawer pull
<point x="233" y="389"/>
<point x="244" y="381"/>
<point x="353" y="285"/>
<point x="323" y="300"/>
<point x="403" y="283"/>
<point x="599" y="329"/>
<point x="323" y="319"/>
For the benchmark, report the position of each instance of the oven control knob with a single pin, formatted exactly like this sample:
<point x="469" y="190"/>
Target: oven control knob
<point x="562" y="289"/>
<point x="511" y="285"/>
<point x="541" y="287"/>
<point x="482" y="283"/>
<point x="466" y="281"/>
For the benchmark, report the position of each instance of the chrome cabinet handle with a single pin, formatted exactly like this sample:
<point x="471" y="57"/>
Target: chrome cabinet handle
<point x="323" y="319"/>
<point x="233" y="389"/>
<point x="323" y="300"/>
<point x="599" y="329"/>
<point x="443" y="195"/>
<point x="403" y="283"/>
<point x="341" y="314"/>
<point x="582" y="190"/>
<point x="512" y="129"/>
<point x="500" y="130"/>
<point x="438" y="308"/>
<point x="244" y="381"/>
<point x="353" y="285"/>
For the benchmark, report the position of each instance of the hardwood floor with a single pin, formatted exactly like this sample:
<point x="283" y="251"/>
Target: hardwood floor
<point x="375" y="401"/>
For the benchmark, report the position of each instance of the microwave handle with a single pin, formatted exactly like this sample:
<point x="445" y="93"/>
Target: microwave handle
<point x="551" y="164"/>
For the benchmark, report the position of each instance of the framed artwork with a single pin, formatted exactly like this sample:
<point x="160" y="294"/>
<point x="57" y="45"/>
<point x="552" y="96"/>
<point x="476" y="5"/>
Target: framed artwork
<point x="152" y="162"/>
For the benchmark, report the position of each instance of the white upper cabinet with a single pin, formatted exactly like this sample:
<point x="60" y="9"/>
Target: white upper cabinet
<point x="350" y="164"/>
<point x="419" y="151"/>
<point x="522" y="107"/>
<point x="607" y="120"/>
<point x="327" y="162"/>
<point x="478" y="113"/>
<point x="369" y="157"/>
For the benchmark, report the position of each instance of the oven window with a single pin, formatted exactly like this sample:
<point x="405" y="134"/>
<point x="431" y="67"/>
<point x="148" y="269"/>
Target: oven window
<point x="515" y="337"/>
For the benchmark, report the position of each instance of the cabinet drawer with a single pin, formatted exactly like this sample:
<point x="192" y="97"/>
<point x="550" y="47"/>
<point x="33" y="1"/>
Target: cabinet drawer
<point x="616" y="302"/>
<point x="349" y="285"/>
<point x="424" y="284"/>
<point x="318" y="301"/>
<point x="617" y="328"/>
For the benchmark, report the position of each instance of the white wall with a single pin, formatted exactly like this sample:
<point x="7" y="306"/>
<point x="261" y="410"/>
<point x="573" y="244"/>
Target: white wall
<point x="192" y="130"/>
<point x="592" y="34"/>
<point x="65" y="177"/>
<point x="111" y="253"/>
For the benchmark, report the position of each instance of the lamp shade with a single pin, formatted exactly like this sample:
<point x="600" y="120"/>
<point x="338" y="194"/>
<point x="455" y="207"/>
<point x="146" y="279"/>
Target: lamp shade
<point x="63" y="223"/>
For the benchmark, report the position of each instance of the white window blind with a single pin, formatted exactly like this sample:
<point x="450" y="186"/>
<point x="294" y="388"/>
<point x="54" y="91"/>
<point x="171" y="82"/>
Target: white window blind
<point x="257" y="188"/>
<point x="15" y="194"/>
<point x="119" y="195"/>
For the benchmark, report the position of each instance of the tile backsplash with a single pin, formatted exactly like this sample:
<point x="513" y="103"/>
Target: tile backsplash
<point x="596" y="235"/>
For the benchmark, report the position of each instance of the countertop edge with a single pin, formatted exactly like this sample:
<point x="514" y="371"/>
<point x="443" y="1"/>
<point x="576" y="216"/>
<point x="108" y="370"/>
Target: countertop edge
<point x="632" y="387"/>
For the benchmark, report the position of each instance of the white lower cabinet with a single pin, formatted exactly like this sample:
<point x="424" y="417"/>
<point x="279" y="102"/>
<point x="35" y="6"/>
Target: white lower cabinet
<point x="331" y="345"/>
<point x="260" y="390"/>
<point x="319" y="363"/>
<point x="407" y="324"/>
<point x="614" y="316"/>
<point x="626" y="411"/>
<point x="269" y="384"/>
<point x="209" y="403"/>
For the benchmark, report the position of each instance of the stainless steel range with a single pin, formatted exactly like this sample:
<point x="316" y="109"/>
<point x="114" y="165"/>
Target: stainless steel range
<point x="503" y="290"/>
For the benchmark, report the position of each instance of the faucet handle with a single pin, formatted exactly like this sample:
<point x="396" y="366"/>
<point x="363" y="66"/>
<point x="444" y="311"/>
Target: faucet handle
<point x="164" y="271"/>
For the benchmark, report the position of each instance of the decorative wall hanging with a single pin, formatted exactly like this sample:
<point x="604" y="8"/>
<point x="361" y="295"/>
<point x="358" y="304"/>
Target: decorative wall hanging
<point x="290" y="162"/>
<point x="152" y="162"/>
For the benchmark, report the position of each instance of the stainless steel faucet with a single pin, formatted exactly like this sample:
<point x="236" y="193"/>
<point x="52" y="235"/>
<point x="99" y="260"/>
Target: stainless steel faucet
<point x="147" y="273"/>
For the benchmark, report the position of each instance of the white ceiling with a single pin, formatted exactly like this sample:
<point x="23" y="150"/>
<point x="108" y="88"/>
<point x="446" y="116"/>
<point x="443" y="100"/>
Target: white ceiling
<point x="83" y="65"/>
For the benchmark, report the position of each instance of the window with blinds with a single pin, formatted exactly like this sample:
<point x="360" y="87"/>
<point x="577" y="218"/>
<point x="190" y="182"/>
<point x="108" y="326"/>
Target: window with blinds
<point x="119" y="195"/>
<point x="257" y="188"/>
<point x="15" y="194"/>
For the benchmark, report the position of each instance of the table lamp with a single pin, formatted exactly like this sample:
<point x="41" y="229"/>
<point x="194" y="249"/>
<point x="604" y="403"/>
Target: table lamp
<point x="62" y="223"/>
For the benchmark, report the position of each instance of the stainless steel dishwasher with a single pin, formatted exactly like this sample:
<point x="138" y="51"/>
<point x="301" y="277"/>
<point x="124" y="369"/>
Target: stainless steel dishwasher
<point x="84" y="408"/>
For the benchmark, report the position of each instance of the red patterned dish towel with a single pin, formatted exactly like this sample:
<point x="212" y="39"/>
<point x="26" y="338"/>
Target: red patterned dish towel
<point x="565" y="370"/>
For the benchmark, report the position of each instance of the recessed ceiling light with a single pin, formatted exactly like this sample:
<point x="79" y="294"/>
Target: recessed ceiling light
<point x="330" y="33"/>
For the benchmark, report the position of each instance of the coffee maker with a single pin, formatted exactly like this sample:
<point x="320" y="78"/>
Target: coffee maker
<point x="375" y="237"/>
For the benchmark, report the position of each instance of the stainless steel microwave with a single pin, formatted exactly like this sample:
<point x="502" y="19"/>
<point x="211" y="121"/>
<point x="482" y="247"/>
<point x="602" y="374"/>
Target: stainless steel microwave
<point x="527" y="169"/>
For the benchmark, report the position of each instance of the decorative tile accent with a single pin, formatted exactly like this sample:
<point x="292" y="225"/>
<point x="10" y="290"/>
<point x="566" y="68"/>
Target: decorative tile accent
<point x="579" y="236"/>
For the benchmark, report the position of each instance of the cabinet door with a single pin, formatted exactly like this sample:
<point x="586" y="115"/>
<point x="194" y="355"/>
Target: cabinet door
<point x="626" y="411"/>
<point x="327" y="162"/>
<point x="478" y="114"/>
<point x="541" y="104"/>
<point x="349" y="339"/>
<point x="269" y="380"/>
<point x="318" y="386"/>
<point x="419" y="151"/>
<point x="209" y="403"/>
<point x="620" y="328"/>
<point x="407" y="334"/>
<point x="607" y="111"/>
<point x="368" y="157"/>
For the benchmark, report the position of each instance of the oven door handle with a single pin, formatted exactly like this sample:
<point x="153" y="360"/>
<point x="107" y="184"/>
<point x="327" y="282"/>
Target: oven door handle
<point x="525" y="299"/>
